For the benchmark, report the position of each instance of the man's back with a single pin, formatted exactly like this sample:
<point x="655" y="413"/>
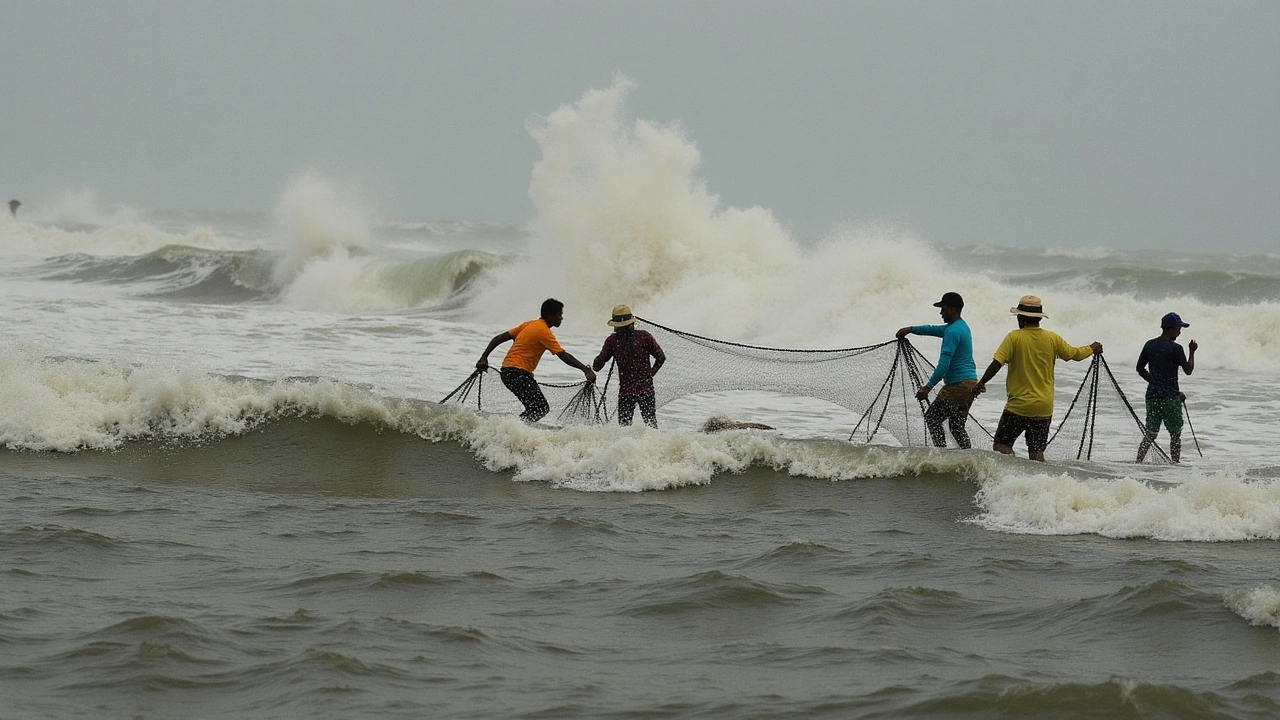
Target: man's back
<point x="1031" y="353"/>
<point x="1163" y="358"/>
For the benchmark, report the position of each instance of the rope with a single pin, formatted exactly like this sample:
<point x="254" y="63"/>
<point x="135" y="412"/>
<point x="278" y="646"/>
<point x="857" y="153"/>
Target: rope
<point x="682" y="333"/>
<point x="475" y="379"/>
<point x="1187" y="412"/>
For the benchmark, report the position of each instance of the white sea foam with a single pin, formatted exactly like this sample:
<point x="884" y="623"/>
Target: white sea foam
<point x="1259" y="605"/>
<point x="29" y="239"/>
<point x="1221" y="506"/>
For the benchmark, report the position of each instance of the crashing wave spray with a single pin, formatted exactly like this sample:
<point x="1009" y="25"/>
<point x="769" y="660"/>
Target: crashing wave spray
<point x="316" y="225"/>
<point x="622" y="216"/>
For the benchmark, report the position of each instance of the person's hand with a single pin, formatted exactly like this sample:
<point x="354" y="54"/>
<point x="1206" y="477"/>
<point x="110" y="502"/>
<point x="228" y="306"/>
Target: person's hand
<point x="1182" y="396"/>
<point x="979" y="389"/>
<point x="923" y="393"/>
<point x="1097" y="347"/>
<point x="482" y="364"/>
<point x="903" y="332"/>
<point x="1192" y="345"/>
<point x="591" y="375"/>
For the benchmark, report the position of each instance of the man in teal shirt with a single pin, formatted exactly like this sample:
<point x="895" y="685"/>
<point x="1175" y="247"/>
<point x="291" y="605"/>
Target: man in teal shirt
<point x="955" y="368"/>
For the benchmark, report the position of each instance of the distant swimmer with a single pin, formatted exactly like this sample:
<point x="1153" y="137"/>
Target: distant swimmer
<point x="529" y="340"/>
<point x="955" y="368"/>
<point x="1031" y="354"/>
<point x="631" y="350"/>
<point x="13" y="207"/>
<point x="716" y="424"/>
<point x="1158" y="364"/>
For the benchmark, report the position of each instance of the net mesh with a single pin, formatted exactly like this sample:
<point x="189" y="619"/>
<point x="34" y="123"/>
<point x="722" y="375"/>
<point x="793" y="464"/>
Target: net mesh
<point x="875" y="383"/>
<point x="1100" y="423"/>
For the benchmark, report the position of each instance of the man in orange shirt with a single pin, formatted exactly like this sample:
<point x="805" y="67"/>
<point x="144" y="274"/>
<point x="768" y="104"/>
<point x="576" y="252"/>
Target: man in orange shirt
<point x="530" y="340"/>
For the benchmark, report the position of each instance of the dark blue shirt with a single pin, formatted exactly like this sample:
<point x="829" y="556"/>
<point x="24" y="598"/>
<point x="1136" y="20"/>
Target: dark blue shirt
<point x="1163" y="359"/>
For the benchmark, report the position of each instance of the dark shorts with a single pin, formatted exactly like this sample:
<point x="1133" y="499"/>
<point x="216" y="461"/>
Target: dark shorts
<point x="1166" y="411"/>
<point x="523" y="385"/>
<point x="1012" y="425"/>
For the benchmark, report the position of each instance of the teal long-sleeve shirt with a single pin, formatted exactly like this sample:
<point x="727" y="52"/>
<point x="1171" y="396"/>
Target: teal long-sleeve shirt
<point x="955" y="362"/>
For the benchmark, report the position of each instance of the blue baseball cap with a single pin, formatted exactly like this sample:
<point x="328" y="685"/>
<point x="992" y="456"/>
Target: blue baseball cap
<point x="1172" y="320"/>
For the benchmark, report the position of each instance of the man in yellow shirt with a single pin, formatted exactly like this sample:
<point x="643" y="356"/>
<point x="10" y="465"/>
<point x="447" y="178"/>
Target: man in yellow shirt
<point x="528" y="341"/>
<point x="1031" y="353"/>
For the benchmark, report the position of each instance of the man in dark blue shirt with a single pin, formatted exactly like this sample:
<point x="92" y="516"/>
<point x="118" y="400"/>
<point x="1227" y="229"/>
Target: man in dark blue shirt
<point x="1158" y="364"/>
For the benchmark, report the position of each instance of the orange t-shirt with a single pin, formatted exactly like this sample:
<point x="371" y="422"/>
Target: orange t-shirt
<point x="531" y="339"/>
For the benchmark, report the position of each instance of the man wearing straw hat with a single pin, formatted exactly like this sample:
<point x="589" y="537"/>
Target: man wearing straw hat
<point x="530" y="339"/>
<point x="631" y="350"/>
<point x="1031" y="353"/>
<point x="1158" y="364"/>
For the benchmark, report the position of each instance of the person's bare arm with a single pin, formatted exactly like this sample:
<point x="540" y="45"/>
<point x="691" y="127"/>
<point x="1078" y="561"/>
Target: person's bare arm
<point x="483" y="362"/>
<point x="572" y="361"/>
<point x="992" y="369"/>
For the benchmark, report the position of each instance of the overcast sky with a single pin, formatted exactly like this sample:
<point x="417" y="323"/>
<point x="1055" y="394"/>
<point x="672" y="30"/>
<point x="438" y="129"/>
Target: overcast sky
<point x="1122" y="124"/>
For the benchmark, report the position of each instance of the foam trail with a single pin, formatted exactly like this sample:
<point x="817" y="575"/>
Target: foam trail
<point x="1215" y="508"/>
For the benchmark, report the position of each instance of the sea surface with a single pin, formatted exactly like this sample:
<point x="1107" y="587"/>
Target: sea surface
<point x="228" y="489"/>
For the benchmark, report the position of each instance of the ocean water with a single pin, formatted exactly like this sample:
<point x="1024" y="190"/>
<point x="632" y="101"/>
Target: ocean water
<point x="228" y="489"/>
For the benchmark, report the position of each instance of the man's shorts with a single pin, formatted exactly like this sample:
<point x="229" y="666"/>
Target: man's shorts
<point x="1164" y="410"/>
<point x="1012" y="425"/>
<point x="959" y="394"/>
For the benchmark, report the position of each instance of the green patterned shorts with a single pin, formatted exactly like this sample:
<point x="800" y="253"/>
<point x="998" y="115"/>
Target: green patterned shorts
<point x="1164" y="410"/>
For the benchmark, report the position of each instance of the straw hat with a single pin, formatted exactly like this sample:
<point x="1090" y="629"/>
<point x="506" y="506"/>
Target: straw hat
<point x="622" y="316"/>
<point x="1029" y="306"/>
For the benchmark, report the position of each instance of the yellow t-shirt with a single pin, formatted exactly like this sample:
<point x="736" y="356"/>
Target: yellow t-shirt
<point x="1031" y="353"/>
<point x="531" y="339"/>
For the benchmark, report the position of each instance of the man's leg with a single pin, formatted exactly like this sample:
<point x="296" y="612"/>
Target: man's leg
<point x="649" y="410"/>
<point x="1037" y="437"/>
<point x="959" y="398"/>
<point x="937" y="413"/>
<point x="956" y="422"/>
<point x="1147" y="440"/>
<point x="1152" y="427"/>
<point x="626" y="409"/>
<point x="525" y="388"/>
<point x="1006" y="433"/>
<point x="1173" y="421"/>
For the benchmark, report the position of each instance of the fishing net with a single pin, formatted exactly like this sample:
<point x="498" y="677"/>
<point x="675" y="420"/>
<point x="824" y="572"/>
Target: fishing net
<point x="1100" y="424"/>
<point x="876" y="384"/>
<point x="580" y="403"/>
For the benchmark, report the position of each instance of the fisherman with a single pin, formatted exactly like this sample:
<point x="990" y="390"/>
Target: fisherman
<point x="1031" y="353"/>
<point x="631" y="350"/>
<point x="529" y="340"/>
<point x="1158" y="364"/>
<point x="13" y="207"/>
<point x="955" y="367"/>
